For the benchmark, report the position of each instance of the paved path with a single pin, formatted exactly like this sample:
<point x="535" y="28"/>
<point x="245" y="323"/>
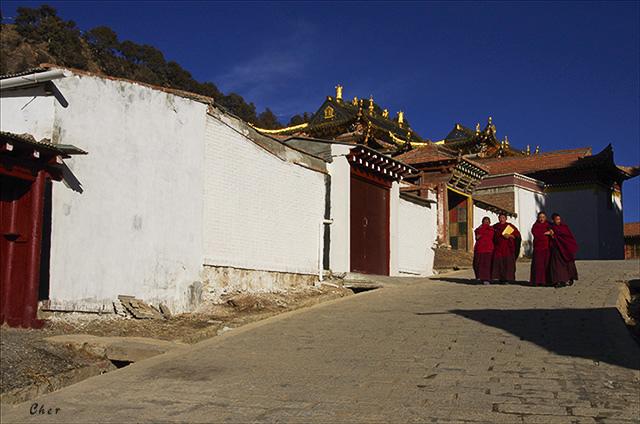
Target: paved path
<point x="425" y="351"/>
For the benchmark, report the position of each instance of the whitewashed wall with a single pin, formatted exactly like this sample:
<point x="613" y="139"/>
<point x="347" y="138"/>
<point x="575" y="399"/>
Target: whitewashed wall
<point x="132" y="224"/>
<point x="260" y="212"/>
<point x="340" y="172"/>
<point x="596" y="226"/>
<point x="27" y="111"/>
<point x="417" y="228"/>
<point x="479" y="213"/>
<point x="527" y="205"/>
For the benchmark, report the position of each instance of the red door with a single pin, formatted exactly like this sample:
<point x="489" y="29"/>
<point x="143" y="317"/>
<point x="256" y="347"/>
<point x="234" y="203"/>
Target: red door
<point x="21" y="206"/>
<point x="369" y="227"/>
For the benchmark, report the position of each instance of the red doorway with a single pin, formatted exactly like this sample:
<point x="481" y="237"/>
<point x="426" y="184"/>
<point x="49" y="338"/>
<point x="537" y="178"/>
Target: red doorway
<point x="369" y="226"/>
<point x="26" y="166"/>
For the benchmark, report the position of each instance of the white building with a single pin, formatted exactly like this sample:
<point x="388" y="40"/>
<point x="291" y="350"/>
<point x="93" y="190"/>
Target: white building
<point x="178" y="202"/>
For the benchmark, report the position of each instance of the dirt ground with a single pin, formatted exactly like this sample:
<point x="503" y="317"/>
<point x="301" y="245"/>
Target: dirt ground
<point x="26" y="358"/>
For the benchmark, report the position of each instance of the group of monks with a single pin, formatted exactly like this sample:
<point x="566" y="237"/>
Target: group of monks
<point x="498" y="246"/>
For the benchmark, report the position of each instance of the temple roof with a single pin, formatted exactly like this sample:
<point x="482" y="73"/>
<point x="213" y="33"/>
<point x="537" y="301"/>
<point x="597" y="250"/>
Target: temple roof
<point x="359" y="122"/>
<point x="479" y="142"/>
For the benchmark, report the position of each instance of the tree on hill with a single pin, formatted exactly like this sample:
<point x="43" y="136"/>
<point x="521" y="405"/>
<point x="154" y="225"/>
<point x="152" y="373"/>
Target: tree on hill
<point x="100" y="47"/>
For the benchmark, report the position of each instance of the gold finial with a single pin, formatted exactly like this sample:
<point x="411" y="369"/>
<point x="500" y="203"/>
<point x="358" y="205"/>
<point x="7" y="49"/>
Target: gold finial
<point x="506" y="140"/>
<point x="478" y="128"/>
<point x="400" y="118"/>
<point x="490" y="120"/>
<point x="408" y="135"/>
<point x="371" y="104"/>
<point x="528" y="150"/>
<point x="354" y="101"/>
<point x="537" y="150"/>
<point x="458" y="127"/>
<point x="385" y="113"/>
<point x="502" y="144"/>
<point x="339" y="92"/>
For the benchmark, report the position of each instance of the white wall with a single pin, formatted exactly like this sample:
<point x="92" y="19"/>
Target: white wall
<point x="134" y="224"/>
<point x="340" y="172"/>
<point x="579" y="210"/>
<point x="417" y="229"/>
<point x="596" y="226"/>
<point x="478" y="214"/>
<point x="260" y="212"/>
<point x="27" y="111"/>
<point x="527" y="205"/>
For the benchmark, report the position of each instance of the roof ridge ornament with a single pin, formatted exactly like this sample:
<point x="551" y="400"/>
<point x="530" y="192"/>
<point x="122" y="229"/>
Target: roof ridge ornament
<point x="339" y="92"/>
<point x="371" y="104"/>
<point x="537" y="150"/>
<point x="400" y="117"/>
<point x="385" y="113"/>
<point x="354" y="101"/>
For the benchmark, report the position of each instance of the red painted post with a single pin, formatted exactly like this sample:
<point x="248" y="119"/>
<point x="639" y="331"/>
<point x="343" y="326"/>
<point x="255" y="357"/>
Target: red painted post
<point x="29" y="317"/>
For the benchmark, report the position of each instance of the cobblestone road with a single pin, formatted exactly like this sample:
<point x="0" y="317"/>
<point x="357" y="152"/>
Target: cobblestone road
<point x="439" y="351"/>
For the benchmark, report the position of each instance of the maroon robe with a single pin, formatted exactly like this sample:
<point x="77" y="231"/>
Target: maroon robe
<point x="541" y="254"/>
<point x="562" y="265"/>
<point x="504" y="253"/>
<point x="483" y="252"/>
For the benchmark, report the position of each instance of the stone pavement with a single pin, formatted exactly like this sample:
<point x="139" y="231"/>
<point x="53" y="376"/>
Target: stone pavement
<point x="421" y="350"/>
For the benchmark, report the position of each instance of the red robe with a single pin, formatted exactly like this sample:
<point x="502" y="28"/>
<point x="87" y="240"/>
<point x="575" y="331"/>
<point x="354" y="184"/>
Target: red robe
<point x="483" y="252"/>
<point x="541" y="254"/>
<point x="562" y="265"/>
<point x="504" y="253"/>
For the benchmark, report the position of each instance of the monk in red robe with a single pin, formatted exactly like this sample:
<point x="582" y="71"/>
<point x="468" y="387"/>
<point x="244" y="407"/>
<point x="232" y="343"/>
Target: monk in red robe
<point x="506" y="248"/>
<point x="483" y="251"/>
<point x="541" y="231"/>
<point x="563" y="249"/>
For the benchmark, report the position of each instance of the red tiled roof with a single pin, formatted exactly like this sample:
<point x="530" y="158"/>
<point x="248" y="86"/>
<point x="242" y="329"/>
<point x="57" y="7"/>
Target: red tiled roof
<point x="429" y="153"/>
<point x="632" y="229"/>
<point x="527" y="164"/>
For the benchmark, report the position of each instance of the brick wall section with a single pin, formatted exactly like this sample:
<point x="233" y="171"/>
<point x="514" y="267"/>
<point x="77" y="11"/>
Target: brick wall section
<point x="260" y="212"/>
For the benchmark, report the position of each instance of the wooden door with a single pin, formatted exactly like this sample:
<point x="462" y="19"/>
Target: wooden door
<point x="21" y="204"/>
<point x="369" y="227"/>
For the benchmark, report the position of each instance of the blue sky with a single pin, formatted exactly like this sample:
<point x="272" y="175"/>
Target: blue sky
<point x="558" y="75"/>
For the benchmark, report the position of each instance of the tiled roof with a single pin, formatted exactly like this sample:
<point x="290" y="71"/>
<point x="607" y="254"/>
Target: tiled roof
<point x="25" y="72"/>
<point x="632" y="229"/>
<point x="529" y="164"/>
<point x="429" y="153"/>
<point x="504" y="201"/>
<point x="45" y="143"/>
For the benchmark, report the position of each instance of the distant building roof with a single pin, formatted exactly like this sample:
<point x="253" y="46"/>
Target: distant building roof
<point x="632" y="229"/>
<point x="526" y="164"/>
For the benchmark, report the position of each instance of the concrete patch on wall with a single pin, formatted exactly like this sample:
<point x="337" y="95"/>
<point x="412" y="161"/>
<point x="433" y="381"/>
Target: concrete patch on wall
<point x="220" y="280"/>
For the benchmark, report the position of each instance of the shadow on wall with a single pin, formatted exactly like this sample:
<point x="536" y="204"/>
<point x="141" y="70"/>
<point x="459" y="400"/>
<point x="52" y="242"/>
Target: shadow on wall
<point x="597" y="334"/>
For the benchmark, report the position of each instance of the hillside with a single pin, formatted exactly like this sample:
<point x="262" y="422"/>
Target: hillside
<point x="39" y="35"/>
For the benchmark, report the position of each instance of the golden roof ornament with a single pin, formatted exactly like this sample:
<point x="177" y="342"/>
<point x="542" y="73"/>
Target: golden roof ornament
<point x="339" y="92"/>
<point x="490" y="120"/>
<point x="385" y="113"/>
<point x="400" y="118"/>
<point x="528" y="150"/>
<point x="354" y="101"/>
<point x="506" y="140"/>
<point x="371" y="104"/>
<point x="478" y="128"/>
<point x="537" y="150"/>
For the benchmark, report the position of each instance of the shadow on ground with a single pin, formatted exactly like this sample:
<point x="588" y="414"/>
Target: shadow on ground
<point x="474" y="282"/>
<point x="598" y="334"/>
